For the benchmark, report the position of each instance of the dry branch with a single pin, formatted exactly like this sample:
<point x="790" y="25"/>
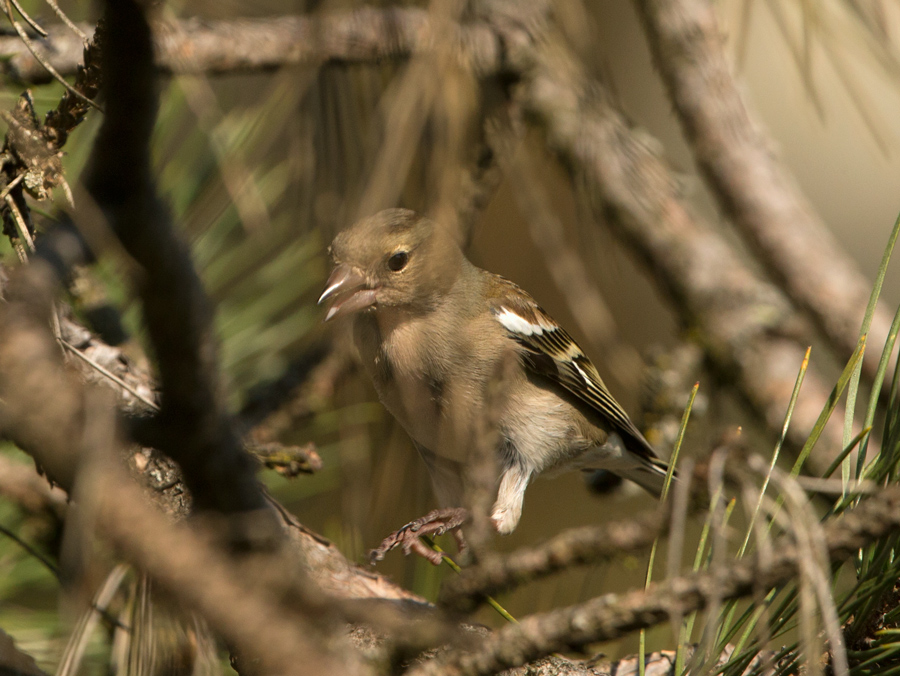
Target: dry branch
<point x="751" y="335"/>
<point x="193" y="425"/>
<point x="20" y="484"/>
<point x="590" y="544"/>
<point x="611" y="616"/>
<point x="216" y="47"/>
<point x="752" y="185"/>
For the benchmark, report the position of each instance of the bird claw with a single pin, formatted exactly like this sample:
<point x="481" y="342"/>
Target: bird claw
<point x="436" y="522"/>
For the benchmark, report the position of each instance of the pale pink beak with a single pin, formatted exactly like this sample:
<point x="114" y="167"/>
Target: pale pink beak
<point x="350" y="289"/>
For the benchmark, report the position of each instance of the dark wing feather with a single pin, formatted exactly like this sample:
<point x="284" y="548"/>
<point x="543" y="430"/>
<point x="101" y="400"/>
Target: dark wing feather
<point x="553" y="353"/>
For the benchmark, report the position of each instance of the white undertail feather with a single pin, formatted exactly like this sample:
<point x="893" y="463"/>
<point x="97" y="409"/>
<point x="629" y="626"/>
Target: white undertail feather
<point x="508" y="507"/>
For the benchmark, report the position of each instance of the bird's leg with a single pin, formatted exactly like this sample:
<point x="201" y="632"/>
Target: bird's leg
<point x="436" y="522"/>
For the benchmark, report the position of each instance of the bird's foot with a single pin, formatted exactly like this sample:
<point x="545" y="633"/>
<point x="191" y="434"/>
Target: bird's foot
<point x="436" y="522"/>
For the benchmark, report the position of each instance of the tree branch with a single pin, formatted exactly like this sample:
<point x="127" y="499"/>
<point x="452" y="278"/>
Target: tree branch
<point x="577" y="546"/>
<point x="751" y="335"/>
<point x="238" y="45"/>
<point x="193" y="426"/>
<point x="752" y="185"/>
<point x="613" y="615"/>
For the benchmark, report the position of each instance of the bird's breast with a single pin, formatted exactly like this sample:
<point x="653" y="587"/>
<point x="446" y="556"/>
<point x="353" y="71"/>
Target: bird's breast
<point x="408" y="380"/>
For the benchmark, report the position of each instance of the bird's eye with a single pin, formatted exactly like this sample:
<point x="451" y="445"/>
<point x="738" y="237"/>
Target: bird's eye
<point x="398" y="261"/>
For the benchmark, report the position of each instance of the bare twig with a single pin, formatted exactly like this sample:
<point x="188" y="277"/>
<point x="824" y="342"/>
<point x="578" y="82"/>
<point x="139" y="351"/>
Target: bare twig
<point x="40" y="59"/>
<point x="44" y="561"/>
<point x="66" y="20"/>
<point x="578" y="546"/>
<point x="106" y="373"/>
<point x="35" y="26"/>
<point x="20" y="222"/>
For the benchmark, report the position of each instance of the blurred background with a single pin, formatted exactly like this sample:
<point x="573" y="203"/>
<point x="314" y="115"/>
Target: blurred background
<point x="263" y="169"/>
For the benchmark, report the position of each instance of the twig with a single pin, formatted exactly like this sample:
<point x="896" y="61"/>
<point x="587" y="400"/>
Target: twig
<point x="20" y="222"/>
<point x="577" y="546"/>
<point x="66" y="20"/>
<point x="109" y="374"/>
<point x="46" y="64"/>
<point x="12" y="184"/>
<point x="31" y="22"/>
<point x="47" y="563"/>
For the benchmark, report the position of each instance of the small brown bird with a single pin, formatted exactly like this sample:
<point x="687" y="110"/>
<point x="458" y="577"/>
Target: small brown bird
<point x="433" y="331"/>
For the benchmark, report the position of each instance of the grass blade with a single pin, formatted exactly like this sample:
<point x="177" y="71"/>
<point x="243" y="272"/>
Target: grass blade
<point x="863" y="332"/>
<point x="670" y="473"/>
<point x="804" y="365"/>
<point x="830" y="405"/>
<point x="876" y="388"/>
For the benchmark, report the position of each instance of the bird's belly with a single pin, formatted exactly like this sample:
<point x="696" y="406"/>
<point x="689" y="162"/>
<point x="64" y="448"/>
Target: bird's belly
<point x="416" y="407"/>
<point x="540" y="428"/>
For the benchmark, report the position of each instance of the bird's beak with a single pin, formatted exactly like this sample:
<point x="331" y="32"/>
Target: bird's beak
<point x="349" y="288"/>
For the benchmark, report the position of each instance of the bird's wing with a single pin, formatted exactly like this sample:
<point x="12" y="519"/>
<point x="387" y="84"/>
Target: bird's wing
<point x="551" y="352"/>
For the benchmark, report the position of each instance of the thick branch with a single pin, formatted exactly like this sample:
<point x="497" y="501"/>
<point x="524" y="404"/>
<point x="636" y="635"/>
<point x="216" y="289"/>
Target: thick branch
<point x="751" y="183"/>
<point x="193" y="426"/>
<point x="611" y="616"/>
<point x="201" y="578"/>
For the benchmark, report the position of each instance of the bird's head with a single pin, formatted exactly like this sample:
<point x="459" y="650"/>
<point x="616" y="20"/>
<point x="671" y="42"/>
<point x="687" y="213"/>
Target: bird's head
<point x="395" y="258"/>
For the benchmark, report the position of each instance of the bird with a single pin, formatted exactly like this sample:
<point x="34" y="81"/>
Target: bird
<point x="433" y="332"/>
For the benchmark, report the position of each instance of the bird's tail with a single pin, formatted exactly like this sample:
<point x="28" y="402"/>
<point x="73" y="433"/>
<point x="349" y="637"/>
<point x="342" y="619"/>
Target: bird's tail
<point x="649" y="474"/>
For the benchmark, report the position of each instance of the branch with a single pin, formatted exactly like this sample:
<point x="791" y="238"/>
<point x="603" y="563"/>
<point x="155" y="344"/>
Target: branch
<point x="20" y="484"/>
<point x="193" y="426"/>
<point x="611" y="616"/>
<point x="239" y="45"/>
<point x="577" y="546"/>
<point x="202" y="579"/>
<point x="751" y="335"/>
<point x="752" y="185"/>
